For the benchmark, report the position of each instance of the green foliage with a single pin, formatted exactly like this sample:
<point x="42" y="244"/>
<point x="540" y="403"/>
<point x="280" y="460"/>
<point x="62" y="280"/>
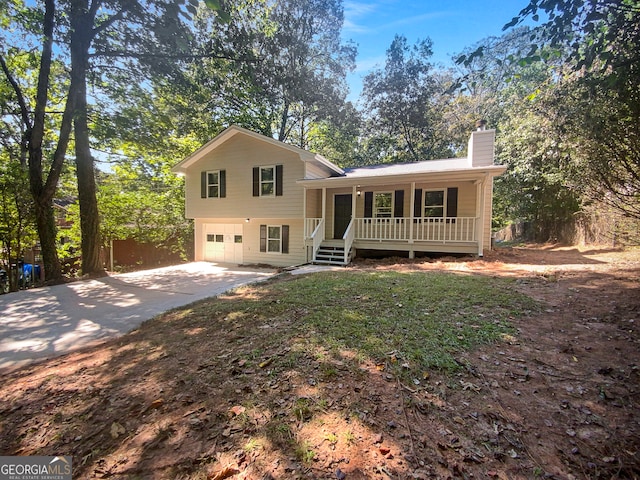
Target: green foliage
<point x="403" y="106"/>
<point x="17" y="228"/>
<point x="537" y="186"/>
<point x="277" y="68"/>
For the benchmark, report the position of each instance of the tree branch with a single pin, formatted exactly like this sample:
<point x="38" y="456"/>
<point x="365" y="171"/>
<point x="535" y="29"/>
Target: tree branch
<point x="24" y="111"/>
<point x="108" y="22"/>
<point x="185" y="56"/>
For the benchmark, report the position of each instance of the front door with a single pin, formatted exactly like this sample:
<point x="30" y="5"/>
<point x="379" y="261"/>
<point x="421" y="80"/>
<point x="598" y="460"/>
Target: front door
<point x="341" y="214"/>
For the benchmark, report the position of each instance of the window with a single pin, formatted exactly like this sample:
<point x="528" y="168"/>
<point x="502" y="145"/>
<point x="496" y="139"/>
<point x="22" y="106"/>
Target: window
<point x="274" y="244"/>
<point x="237" y="239"/>
<point x="434" y="203"/>
<point x="213" y="184"/>
<point x="383" y="205"/>
<point x="267" y="181"/>
<point x="274" y="238"/>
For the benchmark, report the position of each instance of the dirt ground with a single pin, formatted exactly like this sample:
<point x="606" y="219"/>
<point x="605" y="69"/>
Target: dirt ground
<point x="559" y="399"/>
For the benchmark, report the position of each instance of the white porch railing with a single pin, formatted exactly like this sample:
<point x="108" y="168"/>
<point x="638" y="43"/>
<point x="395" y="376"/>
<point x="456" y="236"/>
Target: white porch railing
<point x="348" y="237"/>
<point x="310" y="226"/>
<point x="451" y="229"/>
<point x="318" y="236"/>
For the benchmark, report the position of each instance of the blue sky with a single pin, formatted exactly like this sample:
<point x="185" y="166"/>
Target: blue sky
<point x="452" y="25"/>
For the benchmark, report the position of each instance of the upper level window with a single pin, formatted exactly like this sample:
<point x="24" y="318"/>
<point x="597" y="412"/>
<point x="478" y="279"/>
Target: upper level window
<point x="434" y="203"/>
<point x="267" y="181"/>
<point x="383" y="205"/>
<point x="213" y="184"/>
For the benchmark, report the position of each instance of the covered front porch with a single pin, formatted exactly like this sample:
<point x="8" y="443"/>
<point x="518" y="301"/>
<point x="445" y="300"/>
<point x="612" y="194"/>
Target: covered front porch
<point x="444" y="216"/>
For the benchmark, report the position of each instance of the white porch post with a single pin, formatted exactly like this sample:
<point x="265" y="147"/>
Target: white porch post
<point x="304" y="212"/>
<point x="354" y="193"/>
<point x="480" y="203"/>
<point x="412" y="204"/>
<point x="324" y="205"/>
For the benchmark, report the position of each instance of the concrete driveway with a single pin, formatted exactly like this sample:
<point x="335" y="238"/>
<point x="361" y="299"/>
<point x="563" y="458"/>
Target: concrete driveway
<point x="46" y="322"/>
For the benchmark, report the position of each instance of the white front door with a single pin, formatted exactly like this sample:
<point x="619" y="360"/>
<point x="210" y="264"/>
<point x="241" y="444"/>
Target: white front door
<point x="223" y="243"/>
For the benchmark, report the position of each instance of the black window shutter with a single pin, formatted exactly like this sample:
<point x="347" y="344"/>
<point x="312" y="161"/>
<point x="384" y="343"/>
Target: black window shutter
<point x="417" y="207"/>
<point x="452" y="202"/>
<point x="398" y="203"/>
<point x="368" y="204"/>
<point x="263" y="238"/>
<point x="203" y="184"/>
<point x="278" y="180"/>
<point x="285" y="238"/>
<point x="223" y="183"/>
<point x="256" y="182"/>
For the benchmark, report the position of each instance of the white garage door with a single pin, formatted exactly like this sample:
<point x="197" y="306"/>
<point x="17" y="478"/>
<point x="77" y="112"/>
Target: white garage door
<point x="223" y="243"/>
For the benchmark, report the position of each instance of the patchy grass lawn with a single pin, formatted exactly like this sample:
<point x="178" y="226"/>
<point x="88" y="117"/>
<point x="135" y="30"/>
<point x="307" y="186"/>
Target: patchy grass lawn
<point x="420" y="321"/>
<point x="401" y="372"/>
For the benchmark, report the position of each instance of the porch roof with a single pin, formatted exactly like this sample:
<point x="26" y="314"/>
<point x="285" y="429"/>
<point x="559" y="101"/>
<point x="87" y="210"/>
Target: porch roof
<point x="430" y="170"/>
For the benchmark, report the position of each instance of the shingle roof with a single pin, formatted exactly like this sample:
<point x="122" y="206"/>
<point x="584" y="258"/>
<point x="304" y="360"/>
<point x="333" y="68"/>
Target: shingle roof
<point x="428" y="166"/>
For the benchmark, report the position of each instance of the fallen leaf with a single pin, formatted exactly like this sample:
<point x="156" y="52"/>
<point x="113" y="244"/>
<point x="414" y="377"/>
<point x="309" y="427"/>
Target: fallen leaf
<point x="266" y="363"/>
<point x="117" y="430"/>
<point x="237" y="410"/>
<point x="226" y="472"/>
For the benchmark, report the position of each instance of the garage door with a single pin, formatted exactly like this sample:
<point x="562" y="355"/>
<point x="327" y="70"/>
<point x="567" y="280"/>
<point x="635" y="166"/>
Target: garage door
<point x="223" y="243"/>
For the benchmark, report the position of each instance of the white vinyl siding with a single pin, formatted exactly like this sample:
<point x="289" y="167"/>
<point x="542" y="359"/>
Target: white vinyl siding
<point x="238" y="156"/>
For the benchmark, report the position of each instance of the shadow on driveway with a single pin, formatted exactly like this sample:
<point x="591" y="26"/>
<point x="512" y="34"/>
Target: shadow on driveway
<point x="49" y="321"/>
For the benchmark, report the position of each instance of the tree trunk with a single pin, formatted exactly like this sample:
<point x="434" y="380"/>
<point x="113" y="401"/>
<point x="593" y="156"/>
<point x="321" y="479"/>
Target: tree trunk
<point x="82" y="23"/>
<point x="282" y="134"/>
<point x="43" y="192"/>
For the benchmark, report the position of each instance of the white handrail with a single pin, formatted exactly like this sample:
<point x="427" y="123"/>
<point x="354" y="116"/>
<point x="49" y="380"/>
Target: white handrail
<point x="348" y="237"/>
<point x="318" y="237"/>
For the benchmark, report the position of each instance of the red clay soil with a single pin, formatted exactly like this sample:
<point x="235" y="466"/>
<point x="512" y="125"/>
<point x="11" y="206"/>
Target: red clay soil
<point x="559" y="399"/>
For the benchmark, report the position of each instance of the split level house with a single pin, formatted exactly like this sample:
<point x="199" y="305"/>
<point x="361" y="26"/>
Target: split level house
<point x="256" y="200"/>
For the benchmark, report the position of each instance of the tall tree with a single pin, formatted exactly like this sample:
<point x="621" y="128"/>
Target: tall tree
<point x="292" y="69"/>
<point x="401" y="101"/>
<point x="33" y="124"/>
<point x="135" y="34"/>
<point x="596" y="102"/>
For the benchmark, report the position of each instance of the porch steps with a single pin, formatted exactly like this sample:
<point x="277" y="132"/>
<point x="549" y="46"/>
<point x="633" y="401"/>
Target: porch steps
<point x="331" y="255"/>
